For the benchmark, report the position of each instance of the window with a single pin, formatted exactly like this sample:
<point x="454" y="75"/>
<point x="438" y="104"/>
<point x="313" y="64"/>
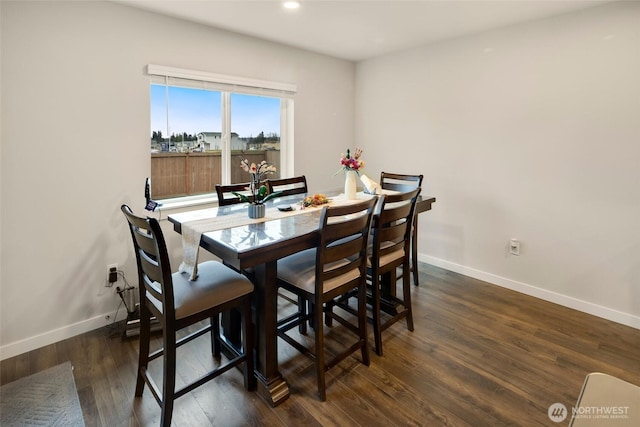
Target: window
<point x="202" y="123"/>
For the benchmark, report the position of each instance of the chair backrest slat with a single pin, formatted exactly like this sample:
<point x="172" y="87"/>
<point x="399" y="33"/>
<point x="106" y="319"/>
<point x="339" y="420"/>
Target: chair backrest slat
<point x="150" y="267"/>
<point x="225" y="196"/>
<point x="288" y="186"/>
<point x="144" y="240"/>
<point x="337" y="230"/>
<point x="400" y="182"/>
<point x="394" y="233"/>
<point x="395" y="211"/>
<point x="342" y="249"/>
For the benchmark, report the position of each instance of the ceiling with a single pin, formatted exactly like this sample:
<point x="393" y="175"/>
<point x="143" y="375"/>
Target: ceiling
<point x="360" y="29"/>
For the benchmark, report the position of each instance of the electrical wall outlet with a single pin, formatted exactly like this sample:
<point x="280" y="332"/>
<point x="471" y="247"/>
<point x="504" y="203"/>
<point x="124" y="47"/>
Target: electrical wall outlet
<point x="112" y="274"/>
<point x="514" y="247"/>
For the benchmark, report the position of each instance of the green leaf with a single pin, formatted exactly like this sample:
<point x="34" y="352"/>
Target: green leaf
<point x="242" y="197"/>
<point x="262" y="191"/>
<point x="272" y="196"/>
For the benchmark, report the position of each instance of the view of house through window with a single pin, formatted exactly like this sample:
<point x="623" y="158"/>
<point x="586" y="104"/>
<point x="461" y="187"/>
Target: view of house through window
<point x="190" y="141"/>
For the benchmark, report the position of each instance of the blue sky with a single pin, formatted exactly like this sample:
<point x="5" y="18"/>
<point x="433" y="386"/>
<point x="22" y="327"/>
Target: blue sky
<point x="196" y="110"/>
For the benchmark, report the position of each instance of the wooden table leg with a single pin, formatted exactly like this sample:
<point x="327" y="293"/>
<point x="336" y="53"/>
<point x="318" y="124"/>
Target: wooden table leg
<point x="271" y="385"/>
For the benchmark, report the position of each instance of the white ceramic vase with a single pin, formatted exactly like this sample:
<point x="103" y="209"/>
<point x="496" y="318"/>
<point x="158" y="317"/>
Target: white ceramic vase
<point x="350" y="185"/>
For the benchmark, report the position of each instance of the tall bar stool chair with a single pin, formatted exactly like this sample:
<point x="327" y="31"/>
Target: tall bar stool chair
<point x="404" y="183"/>
<point x="390" y="248"/>
<point x="177" y="303"/>
<point x="389" y="244"/>
<point x="336" y="266"/>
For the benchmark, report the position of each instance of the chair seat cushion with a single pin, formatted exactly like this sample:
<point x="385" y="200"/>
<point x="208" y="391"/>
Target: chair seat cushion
<point x="215" y="284"/>
<point x="299" y="270"/>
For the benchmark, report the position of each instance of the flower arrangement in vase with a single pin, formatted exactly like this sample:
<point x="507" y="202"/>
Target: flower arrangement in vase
<point x="258" y="191"/>
<point x="351" y="166"/>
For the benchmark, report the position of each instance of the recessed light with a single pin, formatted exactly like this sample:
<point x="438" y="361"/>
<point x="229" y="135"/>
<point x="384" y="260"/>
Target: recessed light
<point x="291" y="4"/>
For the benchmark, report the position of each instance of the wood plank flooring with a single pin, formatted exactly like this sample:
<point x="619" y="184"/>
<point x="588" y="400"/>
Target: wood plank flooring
<point x="480" y="355"/>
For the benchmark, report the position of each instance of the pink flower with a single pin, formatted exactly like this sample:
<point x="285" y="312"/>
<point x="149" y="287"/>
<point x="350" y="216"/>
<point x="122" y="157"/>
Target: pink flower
<point x="352" y="163"/>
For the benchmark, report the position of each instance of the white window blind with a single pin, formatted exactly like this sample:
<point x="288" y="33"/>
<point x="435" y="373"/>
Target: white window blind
<point x="171" y="76"/>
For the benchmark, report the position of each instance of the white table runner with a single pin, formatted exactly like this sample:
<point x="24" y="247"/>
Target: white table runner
<point x="207" y="220"/>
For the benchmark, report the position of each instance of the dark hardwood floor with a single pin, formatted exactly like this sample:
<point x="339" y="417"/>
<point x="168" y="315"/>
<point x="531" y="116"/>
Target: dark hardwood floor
<point x="480" y="355"/>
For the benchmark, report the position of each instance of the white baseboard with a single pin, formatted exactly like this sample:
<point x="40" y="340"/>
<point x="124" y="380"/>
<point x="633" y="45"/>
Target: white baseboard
<point x="545" y="294"/>
<point x="35" y="342"/>
<point x="32" y="343"/>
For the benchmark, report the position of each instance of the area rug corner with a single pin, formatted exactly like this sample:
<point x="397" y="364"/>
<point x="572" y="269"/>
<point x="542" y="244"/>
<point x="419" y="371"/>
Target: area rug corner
<point x="46" y="398"/>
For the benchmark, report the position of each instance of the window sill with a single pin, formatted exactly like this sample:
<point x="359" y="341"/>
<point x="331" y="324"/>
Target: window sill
<point x="179" y="203"/>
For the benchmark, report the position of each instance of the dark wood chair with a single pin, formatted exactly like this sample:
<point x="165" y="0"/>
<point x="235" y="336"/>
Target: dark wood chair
<point x="336" y="266"/>
<point x="288" y="186"/>
<point x="404" y="183"/>
<point x="390" y="247"/>
<point x="178" y="303"/>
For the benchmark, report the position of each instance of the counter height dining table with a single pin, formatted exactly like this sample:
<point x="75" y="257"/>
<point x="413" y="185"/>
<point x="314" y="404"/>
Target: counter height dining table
<point x="256" y="245"/>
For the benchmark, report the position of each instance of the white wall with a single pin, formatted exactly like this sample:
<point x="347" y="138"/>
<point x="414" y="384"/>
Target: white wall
<point x="536" y="139"/>
<point x="75" y="146"/>
<point x="530" y="132"/>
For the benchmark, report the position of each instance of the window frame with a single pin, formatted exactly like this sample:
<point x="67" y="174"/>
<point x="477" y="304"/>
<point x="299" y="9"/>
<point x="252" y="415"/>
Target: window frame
<point x="227" y="85"/>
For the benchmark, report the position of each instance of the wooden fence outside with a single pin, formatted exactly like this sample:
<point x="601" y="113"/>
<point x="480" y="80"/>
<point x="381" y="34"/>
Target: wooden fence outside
<point x="186" y="174"/>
